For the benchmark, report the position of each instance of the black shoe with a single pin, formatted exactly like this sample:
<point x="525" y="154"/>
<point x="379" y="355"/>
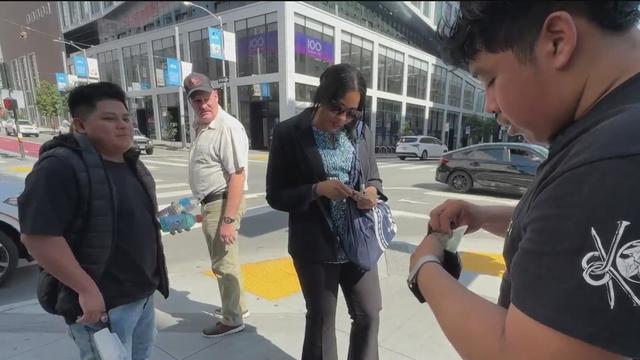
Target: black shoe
<point x="220" y="329"/>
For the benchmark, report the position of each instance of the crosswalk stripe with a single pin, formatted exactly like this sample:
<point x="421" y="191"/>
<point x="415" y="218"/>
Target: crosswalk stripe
<point x="150" y="167"/>
<point x="387" y="165"/>
<point x="159" y="180"/>
<point x="164" y="163"/>
<point x="165" y="186"/>
<point x="416" y="167"/>
<point x="176" y="194"/>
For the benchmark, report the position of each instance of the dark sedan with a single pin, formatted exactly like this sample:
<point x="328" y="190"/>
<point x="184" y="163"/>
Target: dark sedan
<point x="504" y="167"/>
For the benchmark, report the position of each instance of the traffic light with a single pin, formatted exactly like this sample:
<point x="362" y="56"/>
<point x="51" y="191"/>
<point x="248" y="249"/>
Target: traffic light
<point x="10" y="104"/>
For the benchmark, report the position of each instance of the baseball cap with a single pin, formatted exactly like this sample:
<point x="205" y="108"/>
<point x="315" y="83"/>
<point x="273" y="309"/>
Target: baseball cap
<point x="197" y="82"/>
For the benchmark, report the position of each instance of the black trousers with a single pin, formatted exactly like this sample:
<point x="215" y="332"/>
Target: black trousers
<point x="319" y="282"/>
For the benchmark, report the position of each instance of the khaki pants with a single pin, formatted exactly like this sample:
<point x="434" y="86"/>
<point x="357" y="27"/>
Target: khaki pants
<point x="224" y="261"/>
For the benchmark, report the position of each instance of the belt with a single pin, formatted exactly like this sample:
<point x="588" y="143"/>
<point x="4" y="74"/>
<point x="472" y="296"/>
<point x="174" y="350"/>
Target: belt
<point x="211" y="197"/>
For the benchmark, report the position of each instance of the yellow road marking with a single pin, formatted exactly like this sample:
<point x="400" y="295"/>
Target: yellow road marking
<point x="19" y="169"/>
<point x="483" y="263"/>
<point x="259" y="157"/>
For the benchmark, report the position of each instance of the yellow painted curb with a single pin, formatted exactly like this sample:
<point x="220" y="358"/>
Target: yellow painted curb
<point x="19" y="169"/>
<point x="483" y="263"/>
<point x="271" y="279"/>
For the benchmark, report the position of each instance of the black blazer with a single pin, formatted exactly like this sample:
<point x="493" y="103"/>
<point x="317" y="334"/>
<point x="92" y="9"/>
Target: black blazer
<point x="294" y="166"/>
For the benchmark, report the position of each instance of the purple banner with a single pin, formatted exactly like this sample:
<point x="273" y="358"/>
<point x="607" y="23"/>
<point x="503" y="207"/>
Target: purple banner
<point x="266" y="43"/>
<point x="314" y="48"/>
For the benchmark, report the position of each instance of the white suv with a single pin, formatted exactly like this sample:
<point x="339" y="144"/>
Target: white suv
<point x="422" y="147"/>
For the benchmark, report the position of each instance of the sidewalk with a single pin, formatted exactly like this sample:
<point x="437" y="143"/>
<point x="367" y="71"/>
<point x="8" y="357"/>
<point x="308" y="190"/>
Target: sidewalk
<point x="274" y="330"/>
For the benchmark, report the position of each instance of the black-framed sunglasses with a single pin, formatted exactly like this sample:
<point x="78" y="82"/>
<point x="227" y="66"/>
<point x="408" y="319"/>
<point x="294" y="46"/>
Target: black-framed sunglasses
<point x="351" y="113"/>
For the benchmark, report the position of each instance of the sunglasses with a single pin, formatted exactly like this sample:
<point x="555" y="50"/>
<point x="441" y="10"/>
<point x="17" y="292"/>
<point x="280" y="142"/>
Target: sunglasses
<point x="352" y="114"/>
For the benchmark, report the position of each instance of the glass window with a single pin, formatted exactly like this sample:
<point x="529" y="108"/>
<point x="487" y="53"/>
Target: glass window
<point x="455" y="90"/>
<point x="305" y="92"/>
<point x="141" y="109"/>
<point x="66" y="18"/>
<point x="426" y="8"/>
<point x="259" y="106"/>
<point x="524" y="157"/>
<point x="109" y="66"/>
<point x="438" y="84"/>
<point x="257" y="45"/>
<point x="136" y="67"/>
<point x="313" y="46"/>
<point x="162" y="49"/>
<point x="169" y="117"/>
<point x="479" y="106"/>
<point x="95" y="7"/>
<point x="407" y="139"/>
<point x="388" y="122"/>
<point x="359" y="53"/>
<point x="414" y="120"/>
<point x="390" y="68"/>
<point x="202" y="62"/>
<point x="491" y="154"/>
<point x="468" y="96"/>
<point x="434" y="124"/>
<point x="417" y="77"/>
<point x="451" y="137"/>
<point x="73" y="9"/>
<point x="438" y="17"/>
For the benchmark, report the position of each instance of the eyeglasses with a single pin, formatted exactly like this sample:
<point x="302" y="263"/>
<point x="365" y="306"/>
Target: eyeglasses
<point x="198" y="100"/>
<point x="352" y="114"/>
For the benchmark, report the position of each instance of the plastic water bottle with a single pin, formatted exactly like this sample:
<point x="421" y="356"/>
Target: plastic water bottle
<point x="179" y="215"/>
<point x="186" y="204"/>
<point x="179" y="222"/>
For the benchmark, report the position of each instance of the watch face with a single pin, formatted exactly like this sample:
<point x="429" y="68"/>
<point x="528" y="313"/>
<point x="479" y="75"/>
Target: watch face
<point x="228" y="220"/>
<point x="413" y="286"/>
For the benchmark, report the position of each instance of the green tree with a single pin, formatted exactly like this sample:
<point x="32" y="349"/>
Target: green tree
<point x="49" y="102"/>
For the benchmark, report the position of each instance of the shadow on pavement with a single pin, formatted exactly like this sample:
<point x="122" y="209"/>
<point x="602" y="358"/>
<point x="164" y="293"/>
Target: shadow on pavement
<point x="264" y="223"/>
<point x="21" y="286"/>
<point x="186" y="324"/>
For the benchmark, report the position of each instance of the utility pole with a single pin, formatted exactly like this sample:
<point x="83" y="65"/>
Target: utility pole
<point x="183" y="134"/>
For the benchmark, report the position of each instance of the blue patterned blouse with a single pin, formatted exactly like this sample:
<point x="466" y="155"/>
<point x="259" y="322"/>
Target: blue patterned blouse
<point x="337" y="154"/>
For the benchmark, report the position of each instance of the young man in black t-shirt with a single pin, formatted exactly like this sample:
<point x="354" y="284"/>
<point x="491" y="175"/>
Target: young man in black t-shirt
<point x="565" y="74"/>
<point x="87" y="215"/>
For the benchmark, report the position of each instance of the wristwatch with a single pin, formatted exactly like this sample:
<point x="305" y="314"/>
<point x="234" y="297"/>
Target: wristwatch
<point x="228" y="220"/>
<point x="412" y="280"/>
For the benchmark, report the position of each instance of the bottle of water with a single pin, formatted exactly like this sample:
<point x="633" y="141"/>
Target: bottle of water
<point x="179" y="215"/>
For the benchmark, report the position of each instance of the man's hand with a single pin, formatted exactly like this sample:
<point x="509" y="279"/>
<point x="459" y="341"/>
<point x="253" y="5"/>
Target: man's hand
<point x="430" y="245"/>
<point x="455" y="213"/>
<point x="334" y="190"/>
<point x="92" y="305"/>
<point x="366" y="200"/>
<point x="228" y="233"/>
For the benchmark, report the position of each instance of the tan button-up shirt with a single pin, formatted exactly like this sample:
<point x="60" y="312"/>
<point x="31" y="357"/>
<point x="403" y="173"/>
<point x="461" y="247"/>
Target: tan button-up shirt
<point x="218" y="151"/>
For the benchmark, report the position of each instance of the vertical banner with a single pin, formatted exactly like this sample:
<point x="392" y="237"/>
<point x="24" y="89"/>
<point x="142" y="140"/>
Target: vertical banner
<point x="94" y="72"/>
<point x="61" y="81"/>
<point x="187" y="68"/>
<point x="215" y="43"/>
<point x="80" y="64"/>
<point x="229" y="46"/>
<point x="173" y="72"/>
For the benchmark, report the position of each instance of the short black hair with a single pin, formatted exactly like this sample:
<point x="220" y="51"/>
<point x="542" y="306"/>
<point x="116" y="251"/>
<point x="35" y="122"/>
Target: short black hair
<point x="336" y="81"/>
<point x="496" y="26"/>
<point x="83" y="99"/>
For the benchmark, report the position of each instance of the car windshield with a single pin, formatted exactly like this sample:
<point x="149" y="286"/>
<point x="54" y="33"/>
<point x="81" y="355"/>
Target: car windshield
<point x="408" y="139"/>
<point x="24" y="122"/>
<point x="543" y="150"/>
<point x="137" y="132"/>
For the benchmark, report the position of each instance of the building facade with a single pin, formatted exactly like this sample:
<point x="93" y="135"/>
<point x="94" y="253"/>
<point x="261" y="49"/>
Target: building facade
<point x="281" y="49"/>
<point x="28" y="53"/>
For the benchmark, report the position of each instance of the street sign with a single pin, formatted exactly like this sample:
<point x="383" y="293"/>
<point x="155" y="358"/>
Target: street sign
<point x="215" y="43"/>
<point x="187" y="68"/>
<point x="468" y="130"/>
<point x="81" y="66"/>
<point x="230" y="46"/>
<point x="223" y="80"/>
<point x="61" y="81"/>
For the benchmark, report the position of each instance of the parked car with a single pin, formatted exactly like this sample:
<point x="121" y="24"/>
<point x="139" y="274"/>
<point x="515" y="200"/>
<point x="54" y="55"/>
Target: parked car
<point x="141" y="142"/>
<point x="26" y="128"/>
<point x="505" y="167"/>
<point x="64" y="128"/>
<point x="11" y="249"/>
<point x="419" y="146"/>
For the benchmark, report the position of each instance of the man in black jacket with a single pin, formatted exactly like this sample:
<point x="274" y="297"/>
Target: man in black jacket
<point x="87" y="215"/>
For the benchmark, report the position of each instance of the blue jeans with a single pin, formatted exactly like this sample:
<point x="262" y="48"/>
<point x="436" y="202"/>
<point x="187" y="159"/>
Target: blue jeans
<point x="134" y="323"/>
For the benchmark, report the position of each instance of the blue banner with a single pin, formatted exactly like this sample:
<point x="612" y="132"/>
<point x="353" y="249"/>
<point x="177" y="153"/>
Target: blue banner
<point x="215" y="44"/>
<point x="173" y="72"/>
<point x="266" y="91"/>
<point x="61" y="81"/>
<point x="82" y="68"/>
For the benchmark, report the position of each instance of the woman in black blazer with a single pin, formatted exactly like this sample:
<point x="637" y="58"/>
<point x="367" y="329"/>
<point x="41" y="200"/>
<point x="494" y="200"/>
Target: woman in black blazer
<point x="309" y="163"/>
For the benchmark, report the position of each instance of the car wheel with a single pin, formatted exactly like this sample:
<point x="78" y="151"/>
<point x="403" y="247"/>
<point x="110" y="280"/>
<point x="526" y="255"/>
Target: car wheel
<point x="8" y="257"/>
<point x="425" y="155"/>
<point x="37" y="135"/>
<point x="460" y="181"/>
<point x="402" y="157"/>
<point x="149" y="151"/>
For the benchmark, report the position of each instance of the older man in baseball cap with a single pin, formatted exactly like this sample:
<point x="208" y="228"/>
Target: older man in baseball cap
<point x="218" y="178"/>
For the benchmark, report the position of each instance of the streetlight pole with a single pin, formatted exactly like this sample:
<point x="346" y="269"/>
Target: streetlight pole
<point x="224" y="70"/>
